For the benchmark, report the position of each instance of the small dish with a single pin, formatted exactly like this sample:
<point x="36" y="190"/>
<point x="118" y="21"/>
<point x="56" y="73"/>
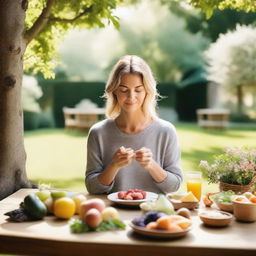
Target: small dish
<point x="177" y="204"/>
<point x="216" y="218"/>
<point x="244" y="211"/>
<point x="114" y="198"/>
<point x="227" y="207"/>
<point x="159" y="233"/>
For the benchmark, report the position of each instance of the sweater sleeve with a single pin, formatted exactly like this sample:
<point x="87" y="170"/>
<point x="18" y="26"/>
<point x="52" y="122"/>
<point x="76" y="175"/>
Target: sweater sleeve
<point x="94" y="166"/>
<point x="171" y="163"/>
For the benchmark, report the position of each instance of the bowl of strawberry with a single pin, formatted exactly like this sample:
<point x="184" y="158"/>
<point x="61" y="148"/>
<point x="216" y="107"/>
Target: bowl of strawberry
<point x="131" y="197"/>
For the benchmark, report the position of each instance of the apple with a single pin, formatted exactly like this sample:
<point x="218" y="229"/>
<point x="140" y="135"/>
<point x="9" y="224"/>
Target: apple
<point x="89" y="204"/>
<point x="78" y="199"/>
<point x="43" y="195"/>
<point x="49" y="202"/>
<point x="110" y="213"/>
<point x="93" y="218"/>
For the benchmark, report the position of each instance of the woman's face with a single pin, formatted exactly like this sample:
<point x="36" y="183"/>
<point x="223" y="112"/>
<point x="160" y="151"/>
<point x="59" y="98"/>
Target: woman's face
<point x="131" y="92"/>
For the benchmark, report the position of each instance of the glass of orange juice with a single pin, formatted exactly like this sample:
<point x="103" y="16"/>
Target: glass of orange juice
<point x="194" y="183"/>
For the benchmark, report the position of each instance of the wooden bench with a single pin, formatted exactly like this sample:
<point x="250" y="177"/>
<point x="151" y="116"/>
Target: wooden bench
<point x="213" y="118"/>
<point x="81" y="118"/>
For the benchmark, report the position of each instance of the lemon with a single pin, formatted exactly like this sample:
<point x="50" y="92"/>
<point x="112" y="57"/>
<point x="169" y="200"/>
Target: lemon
<point x="64" y="208"/>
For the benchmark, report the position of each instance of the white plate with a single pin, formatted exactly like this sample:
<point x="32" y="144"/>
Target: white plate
<point x="114" y="198"/>
<point x="159" y="233"/>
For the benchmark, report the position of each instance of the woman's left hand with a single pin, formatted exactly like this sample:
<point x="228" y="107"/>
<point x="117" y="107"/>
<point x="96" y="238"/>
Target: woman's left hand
<point x="144" y="157"/>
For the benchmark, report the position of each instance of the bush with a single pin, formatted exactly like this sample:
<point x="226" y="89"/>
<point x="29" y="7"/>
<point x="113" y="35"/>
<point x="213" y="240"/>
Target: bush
<point x="241" y="118"/>
<point x="31" y="120"/>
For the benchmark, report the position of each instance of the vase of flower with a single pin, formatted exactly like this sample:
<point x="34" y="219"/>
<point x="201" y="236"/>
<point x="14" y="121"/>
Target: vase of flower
<point x="234" y="170"/>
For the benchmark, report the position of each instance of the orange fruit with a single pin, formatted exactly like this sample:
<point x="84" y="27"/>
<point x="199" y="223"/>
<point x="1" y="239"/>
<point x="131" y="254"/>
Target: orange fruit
<point x="174" y="227"/>
<point x="253" y="199"/>
<point x="184" y="224"/>
<point x="152" y="225"/>
<point x="163" y="222"/>
<point x="64" y="208"/>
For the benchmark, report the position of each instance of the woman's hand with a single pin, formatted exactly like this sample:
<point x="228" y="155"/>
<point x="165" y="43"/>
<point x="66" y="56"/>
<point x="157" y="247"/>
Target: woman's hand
<point x="144" y="157"/>
<point x="122" y="157"/>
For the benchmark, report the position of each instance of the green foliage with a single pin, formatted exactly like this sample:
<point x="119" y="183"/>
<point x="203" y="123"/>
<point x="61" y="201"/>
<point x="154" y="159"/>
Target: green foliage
<point x="231" y="58"/>
<point x="78" y="226"/>
<point x="220" y="22"/>
<point x="163" y="42"/>
<point x="41" y="55"/>
<point x="208" y="6"/>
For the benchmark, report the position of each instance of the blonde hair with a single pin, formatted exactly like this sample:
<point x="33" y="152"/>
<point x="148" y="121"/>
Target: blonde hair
<point x="131" y="64"/>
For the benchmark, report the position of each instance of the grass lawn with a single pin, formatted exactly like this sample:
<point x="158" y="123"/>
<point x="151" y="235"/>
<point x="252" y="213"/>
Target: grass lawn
<point x="58" y="157"/>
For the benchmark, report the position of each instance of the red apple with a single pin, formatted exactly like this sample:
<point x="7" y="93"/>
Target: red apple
<point x="89" y="204"/>
<point x="93" y="218"/>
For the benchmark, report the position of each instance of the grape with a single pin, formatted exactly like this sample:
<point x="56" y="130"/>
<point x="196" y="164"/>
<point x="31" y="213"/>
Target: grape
<point x="139" y="221"/>
<point x="152" y="216"/>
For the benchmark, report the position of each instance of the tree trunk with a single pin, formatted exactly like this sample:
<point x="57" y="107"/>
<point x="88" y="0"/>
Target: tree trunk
<point x="240" y="100"/>
<point x="12" y="47"/>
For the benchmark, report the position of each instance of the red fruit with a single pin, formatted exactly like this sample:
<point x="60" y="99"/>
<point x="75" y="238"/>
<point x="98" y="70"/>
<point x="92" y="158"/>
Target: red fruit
<point x="91" y="203"/>
<point x="137" y="195"/>
<point x="93" y="218"/>
<point x="121" y="194"/>
<point x="128" y="197"/>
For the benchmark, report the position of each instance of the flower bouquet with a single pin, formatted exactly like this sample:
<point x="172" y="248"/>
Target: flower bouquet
<point x="235" y="169"/>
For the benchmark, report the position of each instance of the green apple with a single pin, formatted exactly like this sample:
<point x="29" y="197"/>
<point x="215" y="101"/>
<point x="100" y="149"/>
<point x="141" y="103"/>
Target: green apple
<point x="58" y="194"/>
<point x="43" y="195"/>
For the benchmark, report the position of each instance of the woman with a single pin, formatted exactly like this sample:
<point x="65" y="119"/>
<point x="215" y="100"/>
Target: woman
<point x="133" y="148"/>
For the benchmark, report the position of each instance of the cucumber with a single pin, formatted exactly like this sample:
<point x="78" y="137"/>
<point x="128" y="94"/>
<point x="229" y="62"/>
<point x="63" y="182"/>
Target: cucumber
<point x="34" y="207"/>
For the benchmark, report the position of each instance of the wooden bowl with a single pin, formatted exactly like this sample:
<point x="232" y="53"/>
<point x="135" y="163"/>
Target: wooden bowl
<point x="227" y="207"/>
<point x="177" y="204"/>
<point x="216" y="218"/>
<point x="244" y="211"/>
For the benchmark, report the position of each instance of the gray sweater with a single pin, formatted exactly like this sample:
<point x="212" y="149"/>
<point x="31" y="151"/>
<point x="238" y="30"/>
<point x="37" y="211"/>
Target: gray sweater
<point x="105" y="139"/>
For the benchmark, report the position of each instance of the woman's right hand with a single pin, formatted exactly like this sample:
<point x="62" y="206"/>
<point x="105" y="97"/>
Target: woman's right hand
<point x="122" y="157"/>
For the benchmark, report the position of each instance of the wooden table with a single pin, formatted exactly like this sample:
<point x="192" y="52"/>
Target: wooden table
<point x="53" y="237"/>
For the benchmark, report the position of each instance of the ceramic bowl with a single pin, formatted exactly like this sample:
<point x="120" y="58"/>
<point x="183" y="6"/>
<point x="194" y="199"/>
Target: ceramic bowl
<point x="216" y="218"/>
<point x="227" y="207"/>
<point x="244" y="211"/>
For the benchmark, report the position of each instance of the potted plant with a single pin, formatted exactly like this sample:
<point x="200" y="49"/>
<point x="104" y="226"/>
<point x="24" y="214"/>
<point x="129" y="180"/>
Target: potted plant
<point x="235" y="169"/>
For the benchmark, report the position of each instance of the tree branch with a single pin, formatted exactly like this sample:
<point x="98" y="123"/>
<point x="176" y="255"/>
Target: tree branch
<point x="56" y="19"/>
<point x="40" y="22"/>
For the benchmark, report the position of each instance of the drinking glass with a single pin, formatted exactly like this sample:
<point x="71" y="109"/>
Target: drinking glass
<point x="194" y="183"/>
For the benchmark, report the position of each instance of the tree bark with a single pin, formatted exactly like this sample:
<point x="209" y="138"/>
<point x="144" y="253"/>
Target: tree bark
<point x="240" y="100"/>
<point x="12" y="47"/>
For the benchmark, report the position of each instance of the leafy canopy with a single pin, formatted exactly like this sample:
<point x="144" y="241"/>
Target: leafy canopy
<point x="208" y="6"/>
<point x="41" y="54"/>
<point x="232" y="57"/>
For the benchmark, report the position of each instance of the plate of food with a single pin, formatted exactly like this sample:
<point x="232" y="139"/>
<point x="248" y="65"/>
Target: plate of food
<point x="159" y="233"/>
<point x="159" y="224"/>
<point x="133" y="197"/>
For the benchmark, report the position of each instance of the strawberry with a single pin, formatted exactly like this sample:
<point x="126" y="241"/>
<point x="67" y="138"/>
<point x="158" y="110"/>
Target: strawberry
<point x="121" y="194"/>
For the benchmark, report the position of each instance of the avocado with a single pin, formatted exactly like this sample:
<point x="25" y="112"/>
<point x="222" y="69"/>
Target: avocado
<point x="34" y="207"/>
